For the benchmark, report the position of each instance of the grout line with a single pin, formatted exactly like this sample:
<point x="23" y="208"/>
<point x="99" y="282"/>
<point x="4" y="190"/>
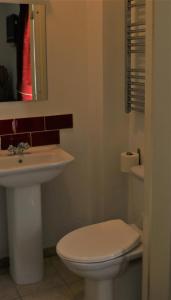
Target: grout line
<point x="18" y="292"/>
<point x="45" y="123"/>
<point x="19" y="296"/>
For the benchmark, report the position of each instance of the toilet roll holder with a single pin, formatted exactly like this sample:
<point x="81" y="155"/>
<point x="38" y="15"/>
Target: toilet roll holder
<point x="139" y="155"/>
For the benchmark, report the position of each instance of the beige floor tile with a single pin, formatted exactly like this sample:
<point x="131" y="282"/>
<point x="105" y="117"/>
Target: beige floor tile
<point x="51" y="280"/>
<point x="77" y="290"/>
<point x="65" y="274"/>
<point x="58" y="284"/>
<point x="51" y="294"/>
<point x="8" y="289"/>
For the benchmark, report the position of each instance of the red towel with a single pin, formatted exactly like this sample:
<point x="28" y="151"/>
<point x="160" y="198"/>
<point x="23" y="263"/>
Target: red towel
<point x="26" y="84"/>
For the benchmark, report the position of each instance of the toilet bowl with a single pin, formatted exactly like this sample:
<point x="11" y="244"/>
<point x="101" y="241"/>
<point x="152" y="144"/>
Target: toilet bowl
<point x="99" y="253"/>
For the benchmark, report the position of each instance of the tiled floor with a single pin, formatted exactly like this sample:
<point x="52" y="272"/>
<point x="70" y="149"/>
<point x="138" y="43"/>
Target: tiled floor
<point x="58" y="284"/>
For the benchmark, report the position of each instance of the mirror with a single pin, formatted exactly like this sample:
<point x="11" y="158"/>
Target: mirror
<point x="22" y="52"/>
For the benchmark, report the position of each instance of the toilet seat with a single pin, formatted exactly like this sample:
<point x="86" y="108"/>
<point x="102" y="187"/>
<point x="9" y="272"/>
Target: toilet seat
<point x="99" y="242"/>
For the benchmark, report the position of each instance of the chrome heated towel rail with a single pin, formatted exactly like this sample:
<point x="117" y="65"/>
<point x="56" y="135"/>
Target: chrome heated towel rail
<point x="135" y="56"/>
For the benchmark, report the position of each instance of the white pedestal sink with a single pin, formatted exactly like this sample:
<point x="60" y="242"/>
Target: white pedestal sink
<point x="22" y="176"/>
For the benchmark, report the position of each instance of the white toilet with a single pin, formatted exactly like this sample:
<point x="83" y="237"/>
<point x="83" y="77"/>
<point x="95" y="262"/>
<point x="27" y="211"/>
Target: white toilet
<point x="101" y="252"/>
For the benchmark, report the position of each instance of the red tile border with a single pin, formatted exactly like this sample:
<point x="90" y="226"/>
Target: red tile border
<point x="45" y="138"/>
<point x="6" y="127"/>
<point x="29" y="124"/>
<point x="59" y="122"/>
<point x="37" y="131"/>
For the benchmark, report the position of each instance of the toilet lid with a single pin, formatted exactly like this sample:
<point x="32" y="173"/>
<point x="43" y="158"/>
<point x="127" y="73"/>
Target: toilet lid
<point x="98" y="242"/>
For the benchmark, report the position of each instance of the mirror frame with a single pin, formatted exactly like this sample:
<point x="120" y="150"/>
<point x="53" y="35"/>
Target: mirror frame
<point x="39" y="57"/>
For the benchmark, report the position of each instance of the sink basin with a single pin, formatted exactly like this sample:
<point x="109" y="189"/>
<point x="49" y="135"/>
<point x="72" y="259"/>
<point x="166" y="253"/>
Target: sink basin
<point x="37" y="165"/>
<point x="22" y="175"/>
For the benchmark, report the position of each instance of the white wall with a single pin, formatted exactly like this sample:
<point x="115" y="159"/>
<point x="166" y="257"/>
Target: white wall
<point x="157" y="254"/>
<point x="115" y="120"/>
<point x="83" y="81"/>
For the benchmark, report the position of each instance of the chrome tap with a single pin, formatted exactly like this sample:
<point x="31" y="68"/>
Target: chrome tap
<point x="19" y="150"/>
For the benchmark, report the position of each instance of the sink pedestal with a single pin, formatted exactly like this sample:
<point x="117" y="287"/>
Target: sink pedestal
<point x="22" y="176"/>
<point x="25" y="233"/>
